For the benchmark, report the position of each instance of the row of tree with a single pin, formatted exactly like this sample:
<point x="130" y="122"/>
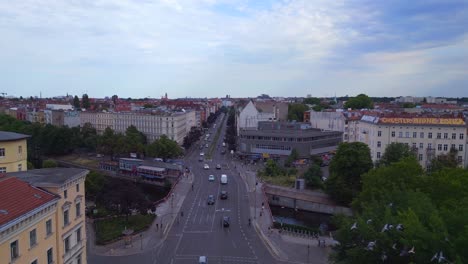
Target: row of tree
<point x="231" y="130"/>
<point x="49" y="140"/>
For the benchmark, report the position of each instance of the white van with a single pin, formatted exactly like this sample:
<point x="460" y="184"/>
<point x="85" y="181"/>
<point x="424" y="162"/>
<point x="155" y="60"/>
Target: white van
<point x="223" y="179"/>
<point x="202" y="260"/>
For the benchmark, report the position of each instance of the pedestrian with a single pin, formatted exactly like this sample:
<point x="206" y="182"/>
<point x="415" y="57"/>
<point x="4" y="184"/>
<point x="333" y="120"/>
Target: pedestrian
<point x="192" y="186"/>
<point x="157" y="226"/>
<point x="182" y="214"/>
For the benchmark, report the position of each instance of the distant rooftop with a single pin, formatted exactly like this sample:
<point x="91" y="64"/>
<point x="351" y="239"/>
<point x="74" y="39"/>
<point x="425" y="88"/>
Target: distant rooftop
<point x="11" y="136"/>
<point x="50" y="177"/>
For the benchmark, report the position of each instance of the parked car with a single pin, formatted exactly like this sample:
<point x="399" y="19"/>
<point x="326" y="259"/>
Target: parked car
<point x="226" y="221"/>
<point x="223" y="195"/>
<point x="211" y="178"/>
<point x="210" y="200"/>
<point x="218" y="166"/>
<point x="206" y="167"/>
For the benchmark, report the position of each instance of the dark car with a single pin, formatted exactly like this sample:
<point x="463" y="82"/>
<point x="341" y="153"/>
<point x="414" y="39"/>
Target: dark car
<point x="218" y="166"/>
<point x="200" y="159"/>
<point x="223" y="195"/>
<point x="211" y="199"/>
<point x="226" y="221"/>
<point x="223" y="152"/>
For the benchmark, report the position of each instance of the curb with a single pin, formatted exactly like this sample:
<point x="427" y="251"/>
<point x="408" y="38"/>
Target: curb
<point x="274" y="252"/>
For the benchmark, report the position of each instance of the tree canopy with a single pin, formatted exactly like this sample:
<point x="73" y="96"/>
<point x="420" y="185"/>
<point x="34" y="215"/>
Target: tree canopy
<point x="296" y="112"/>
<point x="76" y="102"/>
<point x="350" y="162"/>
<point x="395" y="152"/>
<point x="164" y="148"/>
<point x="359" y="102"/>
<point x="313" y="177"/>
<point x="402" y="210"/>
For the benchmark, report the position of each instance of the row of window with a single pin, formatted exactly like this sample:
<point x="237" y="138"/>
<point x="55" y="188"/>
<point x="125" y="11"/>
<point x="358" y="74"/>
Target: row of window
<point x="287" y="139"/>
<point x="261" y="146"/>
<point x="3" y="151"/>
<point x="421" y="135"/>
<point x="420" y="157"/>
<point x="14" y="246"/>
<point x="429" y="146"/>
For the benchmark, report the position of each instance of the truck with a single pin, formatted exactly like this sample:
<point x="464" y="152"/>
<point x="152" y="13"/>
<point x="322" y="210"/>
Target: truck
<point x="224" y="179"/>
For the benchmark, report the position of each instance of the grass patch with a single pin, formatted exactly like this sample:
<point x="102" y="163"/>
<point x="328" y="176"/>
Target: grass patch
<point x="281" y="180"/>
<point x="80" y="160"/>
<point x="111" y="229"/>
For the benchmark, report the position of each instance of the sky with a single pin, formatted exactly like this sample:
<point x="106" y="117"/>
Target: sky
<point x="241" y="48"/>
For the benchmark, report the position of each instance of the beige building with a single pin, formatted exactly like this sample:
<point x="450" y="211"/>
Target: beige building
<point x="13" y="152"/>
<point x="175" y="125"/>
<point x="68" y="217"/>
<point x="429" y="136"/>
<point x="27" y="223"/>
<point x="346" y="122"/>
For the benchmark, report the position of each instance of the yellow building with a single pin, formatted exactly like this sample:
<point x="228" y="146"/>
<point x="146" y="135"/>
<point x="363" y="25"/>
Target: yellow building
<point x="28" y="231"/>
<point x="13" y="152"/>
<point x="69" y="218"/>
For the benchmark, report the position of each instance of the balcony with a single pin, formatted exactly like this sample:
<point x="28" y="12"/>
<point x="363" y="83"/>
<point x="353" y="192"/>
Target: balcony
<point x="73" y="250"/>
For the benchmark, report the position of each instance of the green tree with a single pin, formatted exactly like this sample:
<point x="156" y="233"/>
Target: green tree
<point x="94" y="184"/>
<point x="49" y="164"/>
<point x="312" y="101"/>
<point x="108" y="142"/>
<point x="395" y="152"/>
<point x="76" y="102"/>
<point x="272" y="168"/>
<point x="296" y="112"/>
<point x="359" y="102"/>
<point x="135" y="140"/>
<point x="164" y="148"/>
<point x="291" y="158"/>
<point x="85" y="102"/>
<point x="313" y="177"/>
<point x="350" y="162"/>
<point x="448" y="160"/>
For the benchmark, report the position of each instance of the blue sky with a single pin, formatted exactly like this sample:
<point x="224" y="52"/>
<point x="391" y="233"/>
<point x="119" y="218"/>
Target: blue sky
<point x="210" y="48"/>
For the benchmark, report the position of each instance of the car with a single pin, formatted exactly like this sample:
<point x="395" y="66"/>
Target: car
<point x="211" y="178"/>
<point x="210" y="200"/>
<point x="206" y="166"/>
<point x="200" y="159"/>
<point x="206" y="146"/>
<point x="202" y="260"/>
<point x="218" y="166"/>
<point x="226" y="221"/>
<point x="202" y="154"/>
<point x="223" y="152"/>
<point x="223" y="195"/>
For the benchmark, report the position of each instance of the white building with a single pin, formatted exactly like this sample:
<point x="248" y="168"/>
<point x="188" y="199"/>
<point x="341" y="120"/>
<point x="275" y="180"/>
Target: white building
<point x="427" y="135"/>
<point x="251" y="114"/>
<point x="175" y="125"/>
<point x="64" y="107"/>
<point x="345" y="122"/>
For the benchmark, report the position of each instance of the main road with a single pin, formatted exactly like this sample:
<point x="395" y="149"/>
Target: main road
<point x="200" y="231"/>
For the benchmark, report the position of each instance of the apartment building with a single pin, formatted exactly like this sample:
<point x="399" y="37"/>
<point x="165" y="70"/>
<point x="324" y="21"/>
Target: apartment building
<point x="99" y="120"/>
<point x="175" y="125"/>
<point x="429" y="136"/>
<point x="154" y="124"/>
<point x="252" y="113"/>
<point x="68" y="218"/>
<point x="13" y="152"/>
<point x="28" y="231"/>
<point x="341" y="121"/>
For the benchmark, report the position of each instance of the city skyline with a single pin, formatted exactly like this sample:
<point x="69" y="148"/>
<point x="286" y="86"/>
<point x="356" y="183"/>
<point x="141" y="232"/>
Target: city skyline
<point x="209" y="48"/>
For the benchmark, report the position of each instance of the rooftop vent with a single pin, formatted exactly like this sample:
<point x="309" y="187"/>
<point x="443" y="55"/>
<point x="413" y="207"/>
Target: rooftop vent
<point x="37" y="196"/>
<point x="3" y="212"/>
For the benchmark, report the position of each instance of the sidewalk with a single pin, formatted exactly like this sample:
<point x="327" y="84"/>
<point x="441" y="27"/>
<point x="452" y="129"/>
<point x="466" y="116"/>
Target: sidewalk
<point x="284" y="247"/>
<point x="166" y="212"/>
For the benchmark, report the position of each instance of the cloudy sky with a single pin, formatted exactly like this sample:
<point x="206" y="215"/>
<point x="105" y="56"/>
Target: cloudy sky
<point x="210" y="48"/>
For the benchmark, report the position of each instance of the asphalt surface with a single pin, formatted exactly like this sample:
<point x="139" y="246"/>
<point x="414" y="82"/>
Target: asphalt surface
<point x="200" y="231"/>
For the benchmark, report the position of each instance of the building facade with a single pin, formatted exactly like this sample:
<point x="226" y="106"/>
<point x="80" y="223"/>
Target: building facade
<point x="428" y="136"/>
<point x="27" y="223"/>
<point x="341" y="121"/>
<point x="68" y="221"/>
<point x="13" y="152"/>
<point x="278" y="138"/>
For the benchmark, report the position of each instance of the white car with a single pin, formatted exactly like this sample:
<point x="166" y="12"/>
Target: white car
<point x="206" y="167"/>
<point x="211" y="178"/>
<point x="202" y="154"/>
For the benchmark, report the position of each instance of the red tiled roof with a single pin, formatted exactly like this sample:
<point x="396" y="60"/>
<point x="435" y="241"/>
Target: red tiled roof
<point x="18" y="197"/>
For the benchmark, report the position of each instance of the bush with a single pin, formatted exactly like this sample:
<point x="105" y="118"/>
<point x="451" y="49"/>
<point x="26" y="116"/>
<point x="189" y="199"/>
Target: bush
<point x="49" y="164"/>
